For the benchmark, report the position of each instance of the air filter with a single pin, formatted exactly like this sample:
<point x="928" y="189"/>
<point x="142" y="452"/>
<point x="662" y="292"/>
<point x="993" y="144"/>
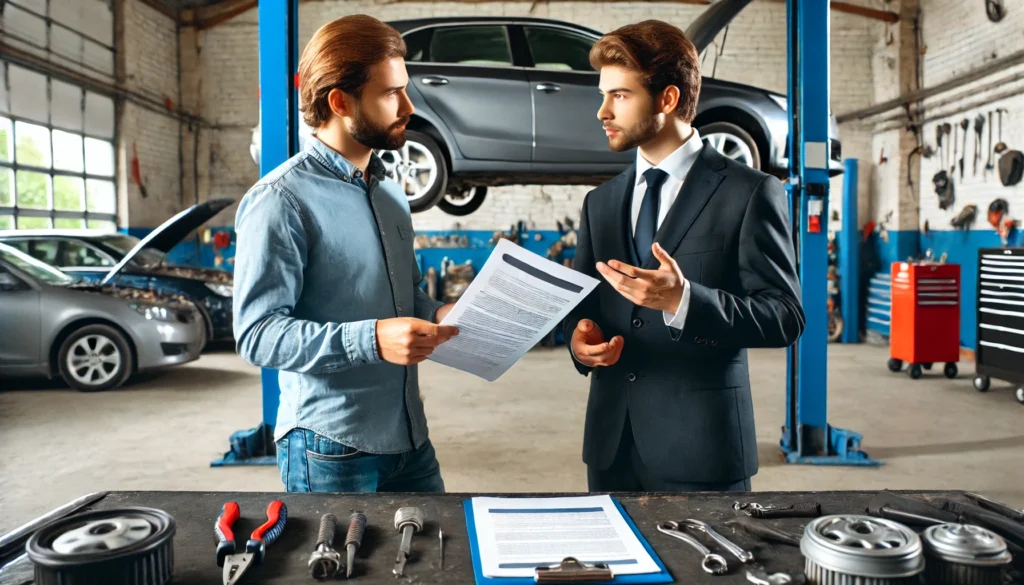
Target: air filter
<point x="860" y="550"/>
<point x="126" y="546"/>
<point x="964" y="554"/>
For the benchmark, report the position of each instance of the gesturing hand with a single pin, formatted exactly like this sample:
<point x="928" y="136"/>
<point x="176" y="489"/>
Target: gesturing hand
<point x="406" y="341"/>
<point x="590" y="348"/>
<point x="660" y="289"/>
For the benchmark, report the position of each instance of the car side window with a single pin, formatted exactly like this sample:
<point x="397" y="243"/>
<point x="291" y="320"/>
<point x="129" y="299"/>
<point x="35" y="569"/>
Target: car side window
<point x="484" y="45"/>
<point x="44" y="250"/>
<point x="557" y="49"/>
<point x="417" y="44"/>
<point x="80" y="254"/>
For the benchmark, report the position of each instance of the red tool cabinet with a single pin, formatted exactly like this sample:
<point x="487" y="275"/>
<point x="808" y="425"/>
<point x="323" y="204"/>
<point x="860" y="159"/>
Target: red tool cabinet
<point x="925" y="317"/>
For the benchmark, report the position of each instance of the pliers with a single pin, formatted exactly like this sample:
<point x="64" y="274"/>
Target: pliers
<point x="235" y="564"/>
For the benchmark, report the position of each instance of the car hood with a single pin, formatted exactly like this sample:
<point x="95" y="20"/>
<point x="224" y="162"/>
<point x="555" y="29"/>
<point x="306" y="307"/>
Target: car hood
<point x="717" y="16"/>
<point x="203" y="274"/>
<point x="172" y="232"/>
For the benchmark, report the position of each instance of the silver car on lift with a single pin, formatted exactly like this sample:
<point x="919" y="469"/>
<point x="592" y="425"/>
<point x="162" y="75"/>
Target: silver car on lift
<point x="94" y="337"/>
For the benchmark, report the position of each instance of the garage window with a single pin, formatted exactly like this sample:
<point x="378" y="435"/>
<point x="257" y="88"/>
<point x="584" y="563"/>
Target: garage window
<point x="57" y="165"/>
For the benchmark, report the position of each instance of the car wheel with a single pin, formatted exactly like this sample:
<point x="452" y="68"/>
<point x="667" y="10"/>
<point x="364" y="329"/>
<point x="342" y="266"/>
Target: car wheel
<point x="94" y="358"/>
<point x="419" y="168"/>
<point x="733" y="142"/>
<point x="463" y="202"/>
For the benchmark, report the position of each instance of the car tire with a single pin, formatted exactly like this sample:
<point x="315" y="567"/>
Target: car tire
<point x="108" y="346"/>
<point x="431" y="174"/>
<point x="733" y="142"/>
<point x="463" y="203"/>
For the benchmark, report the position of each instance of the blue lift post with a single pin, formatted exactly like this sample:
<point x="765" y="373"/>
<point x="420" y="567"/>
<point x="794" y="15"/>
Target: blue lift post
<point x="849" y="256"/>
<point x="279" y="140"/>
<point x="807" y="436"/>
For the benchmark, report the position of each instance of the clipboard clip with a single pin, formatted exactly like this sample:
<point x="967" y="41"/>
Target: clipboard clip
<point x="571" y="570"/>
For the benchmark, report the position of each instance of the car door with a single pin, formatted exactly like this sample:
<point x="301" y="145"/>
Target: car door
<point x="566" y="98"/>
<point x="19" y="313"/>
<point x="466" y="75"/>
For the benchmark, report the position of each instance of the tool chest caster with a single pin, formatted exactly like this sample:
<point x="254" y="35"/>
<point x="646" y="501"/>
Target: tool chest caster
<point x="1020" y="395"/>
<point x="914" y="370"/>
<point x="981" y="383"/>
<point x="895" y="365"/>
<point x="950" y="370"/>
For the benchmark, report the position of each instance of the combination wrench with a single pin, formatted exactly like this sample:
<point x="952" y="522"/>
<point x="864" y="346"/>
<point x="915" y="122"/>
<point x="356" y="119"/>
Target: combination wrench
<point x="712" y="563"/>
<point x="743" y="555"/>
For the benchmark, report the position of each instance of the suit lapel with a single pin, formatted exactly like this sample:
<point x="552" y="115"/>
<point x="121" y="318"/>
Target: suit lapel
<point x="619" y="224"/>
<point x="698" y="187"/>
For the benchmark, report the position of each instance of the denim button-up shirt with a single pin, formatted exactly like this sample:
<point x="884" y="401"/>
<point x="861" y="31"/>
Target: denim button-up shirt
<point x="320" y="257"/>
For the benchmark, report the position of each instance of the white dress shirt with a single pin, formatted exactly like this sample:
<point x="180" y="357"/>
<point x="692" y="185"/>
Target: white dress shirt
<point x="676" y="165"/>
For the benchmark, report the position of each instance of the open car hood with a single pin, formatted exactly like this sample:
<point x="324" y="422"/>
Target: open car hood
<point x="717" y="16"/>
<point x="172" y="232"/>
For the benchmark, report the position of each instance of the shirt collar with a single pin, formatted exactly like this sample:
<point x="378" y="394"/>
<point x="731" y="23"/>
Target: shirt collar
<point x="336" y="162"/>
<point x="676" y="164"/>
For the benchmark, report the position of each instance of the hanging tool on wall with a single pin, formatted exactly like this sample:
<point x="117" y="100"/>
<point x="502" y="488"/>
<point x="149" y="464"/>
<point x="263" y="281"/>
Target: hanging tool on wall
<point x="995" y="10"/>
<point x="941" y="179"/>
<point x="1000" y="145"/>
<point x="979" y="129"/>
<point x="938" y="143"/>
<point x="964" y="125"/>
<point x="989" y="165"/>
<point x="956" y="149"/>
<point x="965" y="218"/>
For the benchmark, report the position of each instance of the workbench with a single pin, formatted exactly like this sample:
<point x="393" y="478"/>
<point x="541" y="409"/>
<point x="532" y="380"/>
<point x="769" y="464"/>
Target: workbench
<point x="286" y="561"/>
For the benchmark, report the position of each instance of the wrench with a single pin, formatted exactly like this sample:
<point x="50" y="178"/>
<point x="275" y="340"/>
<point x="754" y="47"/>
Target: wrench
<point x="739" y="553"/>
<point x="761" y="577"/>
<point x="712" y="563"/>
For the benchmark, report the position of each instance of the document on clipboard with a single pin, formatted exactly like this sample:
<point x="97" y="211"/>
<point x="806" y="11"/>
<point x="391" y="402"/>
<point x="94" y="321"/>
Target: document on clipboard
<point x="517" y="298"/>
<point x="515" y="536"/>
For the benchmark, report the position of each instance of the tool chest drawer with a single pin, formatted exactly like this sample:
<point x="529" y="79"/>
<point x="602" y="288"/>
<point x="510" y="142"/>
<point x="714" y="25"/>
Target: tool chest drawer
<point x="1000" y="350"/>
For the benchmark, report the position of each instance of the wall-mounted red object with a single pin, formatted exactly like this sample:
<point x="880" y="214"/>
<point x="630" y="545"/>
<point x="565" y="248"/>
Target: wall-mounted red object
<point x="221" y="240"/>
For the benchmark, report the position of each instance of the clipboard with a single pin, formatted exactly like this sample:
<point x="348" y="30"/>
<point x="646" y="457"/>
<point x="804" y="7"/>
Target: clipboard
<point x="662" y="576"/>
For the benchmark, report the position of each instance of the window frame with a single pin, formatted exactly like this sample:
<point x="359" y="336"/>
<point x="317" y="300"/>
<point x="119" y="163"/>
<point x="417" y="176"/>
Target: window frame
<point x="528" y="51"/>
<point x="433" y="28"/>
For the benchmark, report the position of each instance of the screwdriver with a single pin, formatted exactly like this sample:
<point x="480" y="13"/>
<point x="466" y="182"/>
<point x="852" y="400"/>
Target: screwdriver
<point x="356" y="527"/>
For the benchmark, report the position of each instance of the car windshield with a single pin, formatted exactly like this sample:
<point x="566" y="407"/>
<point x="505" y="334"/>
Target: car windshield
<point x="34" y="268"/>
<point x="122" y="244"/>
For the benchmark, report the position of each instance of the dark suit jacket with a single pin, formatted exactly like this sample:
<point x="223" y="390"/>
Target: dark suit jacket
<point x="688" y="391"/>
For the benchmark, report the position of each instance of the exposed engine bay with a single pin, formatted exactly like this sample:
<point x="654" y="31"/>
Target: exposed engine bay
<point x="136" y="294"/>
<point x="203" y="274"/>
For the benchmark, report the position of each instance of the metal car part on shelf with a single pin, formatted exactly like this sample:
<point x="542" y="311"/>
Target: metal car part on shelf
<point x="744" y="556"/>
<point x="126" y="546"/>
<point x="849" y="549"/>
<point x="325" y="562"/>
<point x="711" y="563"/>
<point x="964" y="554"/>
<point x="408" y="521"/>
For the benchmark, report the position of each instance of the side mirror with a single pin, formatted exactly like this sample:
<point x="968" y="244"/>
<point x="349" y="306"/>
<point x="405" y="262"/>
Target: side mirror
<point x="10" y="283"/>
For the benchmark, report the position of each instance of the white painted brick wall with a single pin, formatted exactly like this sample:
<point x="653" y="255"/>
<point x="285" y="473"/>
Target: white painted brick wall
<point x="151" y="68"/>
<point x="224" y="85"/>
<point x="953" y="51"/>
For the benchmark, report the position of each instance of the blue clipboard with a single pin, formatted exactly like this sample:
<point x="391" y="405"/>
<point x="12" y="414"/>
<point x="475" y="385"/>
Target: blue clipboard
<point x="660" y="577"/>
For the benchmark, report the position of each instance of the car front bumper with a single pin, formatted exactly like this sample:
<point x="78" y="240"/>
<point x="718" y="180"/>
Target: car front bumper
<point x="161" y="344"/>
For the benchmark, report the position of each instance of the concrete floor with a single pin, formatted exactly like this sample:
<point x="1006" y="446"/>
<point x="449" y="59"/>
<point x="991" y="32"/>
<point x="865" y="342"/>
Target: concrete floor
<point x="519" y="434"/>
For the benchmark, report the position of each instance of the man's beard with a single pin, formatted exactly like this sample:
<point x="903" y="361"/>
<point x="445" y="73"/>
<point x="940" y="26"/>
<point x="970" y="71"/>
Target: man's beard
<point x="371" y="135"/>
<point x="640" y="133"/>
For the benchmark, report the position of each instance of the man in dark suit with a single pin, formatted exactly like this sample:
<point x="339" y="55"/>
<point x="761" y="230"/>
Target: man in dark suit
<point x="697" y="264"/>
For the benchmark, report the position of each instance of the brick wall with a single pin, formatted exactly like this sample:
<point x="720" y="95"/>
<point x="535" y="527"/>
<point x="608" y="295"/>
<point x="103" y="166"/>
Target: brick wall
<point x="150" y="67"/>
<point x="224" y="85"/>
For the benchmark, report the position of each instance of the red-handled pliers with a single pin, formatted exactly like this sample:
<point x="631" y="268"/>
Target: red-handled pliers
<point x="235" y="564"/>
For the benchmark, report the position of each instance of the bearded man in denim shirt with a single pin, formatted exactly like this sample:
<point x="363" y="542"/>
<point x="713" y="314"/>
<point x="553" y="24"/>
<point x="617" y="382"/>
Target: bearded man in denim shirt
<point x="326" y="281"/>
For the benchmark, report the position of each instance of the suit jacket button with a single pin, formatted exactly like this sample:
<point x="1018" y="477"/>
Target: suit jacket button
<point x="713" y="343"/>
<point x="696" y="340"/>
<point x="631" y="377"/>
<point x="638" y="323"/>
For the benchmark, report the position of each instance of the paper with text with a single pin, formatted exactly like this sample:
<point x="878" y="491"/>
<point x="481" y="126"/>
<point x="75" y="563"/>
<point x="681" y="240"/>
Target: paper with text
<point x="516" y="299"/>
<point x="517" y="535"/>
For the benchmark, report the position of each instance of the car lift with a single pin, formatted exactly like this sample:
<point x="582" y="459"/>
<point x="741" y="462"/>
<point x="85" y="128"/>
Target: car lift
<point x="279" y="140"/>
<point x="807" y="436"/>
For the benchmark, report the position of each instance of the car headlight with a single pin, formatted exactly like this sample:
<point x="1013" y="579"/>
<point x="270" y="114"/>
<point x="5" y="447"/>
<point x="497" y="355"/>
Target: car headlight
<point x="224" y="290"/>
<point x="155" y="312"/>
<point x="782" y="100"/>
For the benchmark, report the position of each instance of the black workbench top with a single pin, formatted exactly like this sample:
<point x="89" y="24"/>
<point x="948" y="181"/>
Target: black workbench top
<point x="286" y="562"/>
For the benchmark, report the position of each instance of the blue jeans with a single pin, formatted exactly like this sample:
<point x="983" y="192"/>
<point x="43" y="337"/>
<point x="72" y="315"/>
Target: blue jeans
<point x="311" y="463"/>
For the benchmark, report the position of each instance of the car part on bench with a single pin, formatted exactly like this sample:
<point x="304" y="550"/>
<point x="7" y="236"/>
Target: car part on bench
<point x="124" y="546"/>
<point x="964" y="554"/>
<point x="849" y="549"/>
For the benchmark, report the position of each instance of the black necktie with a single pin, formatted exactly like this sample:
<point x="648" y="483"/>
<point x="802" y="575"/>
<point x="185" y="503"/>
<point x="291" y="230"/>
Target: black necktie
<point x="647" y="220"/>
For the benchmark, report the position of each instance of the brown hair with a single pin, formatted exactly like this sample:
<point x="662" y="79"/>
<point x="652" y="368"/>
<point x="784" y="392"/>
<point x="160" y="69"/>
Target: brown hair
<point x="340" y="55"/>
<point x="661" y="53"/>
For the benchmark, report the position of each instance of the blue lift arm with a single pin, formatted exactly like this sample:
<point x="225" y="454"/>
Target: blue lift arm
<point x="279" y="140"/>
<point x="807" y="436"/>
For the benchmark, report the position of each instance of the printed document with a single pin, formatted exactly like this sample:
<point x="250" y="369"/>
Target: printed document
<point x="517" y="298"/>
<point x="517" y="535"/>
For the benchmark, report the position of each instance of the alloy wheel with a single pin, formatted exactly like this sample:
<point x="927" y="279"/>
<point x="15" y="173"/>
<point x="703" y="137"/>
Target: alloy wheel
<point x="412" y="167"/>
<point x="731" y="147"/>
<point x="93" y="360"/>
